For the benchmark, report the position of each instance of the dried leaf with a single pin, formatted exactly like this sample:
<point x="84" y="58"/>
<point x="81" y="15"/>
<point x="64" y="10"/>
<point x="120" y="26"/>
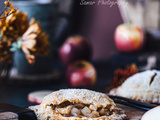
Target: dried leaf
<point x="6" y="3"/>
<point x="10" y="5"/>
<point x="12" y="10"/>
<point x="6" y="13"/>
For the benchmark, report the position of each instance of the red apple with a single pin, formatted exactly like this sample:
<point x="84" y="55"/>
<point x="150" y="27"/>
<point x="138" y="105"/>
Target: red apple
<point x="75" y="48"/>
<point x="81" y="74"/>
<point x="128" y="38"/>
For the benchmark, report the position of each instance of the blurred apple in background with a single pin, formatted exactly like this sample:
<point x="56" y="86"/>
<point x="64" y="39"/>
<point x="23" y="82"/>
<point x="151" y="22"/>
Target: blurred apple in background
<point x="75" y="48"/>
<point x="129" y="38"/>
<point x="81" y="74"/>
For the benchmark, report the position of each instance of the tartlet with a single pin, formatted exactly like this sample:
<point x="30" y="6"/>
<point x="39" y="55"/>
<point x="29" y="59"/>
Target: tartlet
<point x="78" y="104"/>
<point x="143" y="86"/>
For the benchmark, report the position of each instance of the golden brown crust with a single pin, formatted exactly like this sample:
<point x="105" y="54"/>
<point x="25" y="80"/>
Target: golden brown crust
<point x="144" y="87"/>
<point x="79" y="96"/>
<point x="45" y="111"/>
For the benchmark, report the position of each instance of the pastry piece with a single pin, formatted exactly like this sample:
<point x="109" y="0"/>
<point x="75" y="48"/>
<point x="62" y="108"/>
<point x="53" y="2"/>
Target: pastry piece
<point x="143" y="86"/>
<point x="78" y="104"/>
<point x="152" y="114"/>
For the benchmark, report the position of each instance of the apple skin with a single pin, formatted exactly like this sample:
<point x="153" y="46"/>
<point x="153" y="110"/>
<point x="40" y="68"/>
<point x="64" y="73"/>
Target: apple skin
<point x="153" y="114"/>
<point x="75" y="48"/>
<point x="128" y="38"/>
<point x="81" y="74"/>
<point x="37" y="96"/>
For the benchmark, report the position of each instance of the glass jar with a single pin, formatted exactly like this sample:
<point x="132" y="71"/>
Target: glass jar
<point x="45" y="13"/>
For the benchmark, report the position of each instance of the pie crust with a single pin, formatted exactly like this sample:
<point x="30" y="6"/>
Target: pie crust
<point x="143" y="86"/>
<point x="78" y="104"/>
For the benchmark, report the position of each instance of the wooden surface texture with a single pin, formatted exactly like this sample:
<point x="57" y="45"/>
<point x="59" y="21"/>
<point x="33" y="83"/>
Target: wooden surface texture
<point x="132" y="113"/>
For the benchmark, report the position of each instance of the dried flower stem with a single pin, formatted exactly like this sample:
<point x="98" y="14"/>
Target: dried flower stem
<point x="5" y="8"/>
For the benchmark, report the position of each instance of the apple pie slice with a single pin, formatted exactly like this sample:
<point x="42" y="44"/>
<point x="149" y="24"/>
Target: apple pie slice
<point x="143" y="86"/>
<point x="78" y="104"/>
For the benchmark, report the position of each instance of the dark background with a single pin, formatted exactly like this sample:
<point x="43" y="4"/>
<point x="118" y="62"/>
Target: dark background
<point x="97" y="23"/>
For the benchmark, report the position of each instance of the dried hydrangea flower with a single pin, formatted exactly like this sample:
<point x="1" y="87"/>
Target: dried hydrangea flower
<point x="14" y="25"/>
<point x="34" y="42"/>
<point x="5" y="53"/>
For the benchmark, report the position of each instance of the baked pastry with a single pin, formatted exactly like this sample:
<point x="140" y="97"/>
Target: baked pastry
<point x="143" y="86"/>
<point x="78" y="104"/>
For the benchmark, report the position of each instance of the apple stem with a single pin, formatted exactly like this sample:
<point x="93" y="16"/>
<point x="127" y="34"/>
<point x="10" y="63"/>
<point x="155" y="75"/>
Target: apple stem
<point x="79" y="65"/>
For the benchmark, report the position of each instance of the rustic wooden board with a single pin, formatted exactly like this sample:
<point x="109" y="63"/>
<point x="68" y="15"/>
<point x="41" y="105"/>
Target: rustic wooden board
<point x="132" y="113"/>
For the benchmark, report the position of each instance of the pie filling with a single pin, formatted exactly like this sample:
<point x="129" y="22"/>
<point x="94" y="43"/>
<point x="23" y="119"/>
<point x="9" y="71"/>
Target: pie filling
<point x="68" y="109"/>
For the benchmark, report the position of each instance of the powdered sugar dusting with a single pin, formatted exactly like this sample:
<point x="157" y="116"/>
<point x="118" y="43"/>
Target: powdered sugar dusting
<point x="86" y="97"/>
<point x="79" y="96"/>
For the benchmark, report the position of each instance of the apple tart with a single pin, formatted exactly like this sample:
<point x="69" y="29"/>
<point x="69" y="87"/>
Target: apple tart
<point x="78" y="104"/>
<point x="143" y="86"/>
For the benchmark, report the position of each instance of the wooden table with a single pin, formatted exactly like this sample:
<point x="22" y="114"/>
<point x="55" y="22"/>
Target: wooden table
<point x="132" y="113"/>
